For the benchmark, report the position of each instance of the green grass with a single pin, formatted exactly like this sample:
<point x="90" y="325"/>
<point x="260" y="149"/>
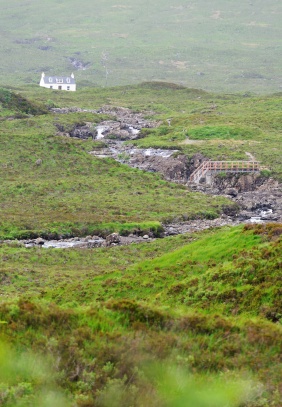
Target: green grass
<point x="215" y="46"/>
<point x="123" y="306"/>
<point x="214" y="265"/>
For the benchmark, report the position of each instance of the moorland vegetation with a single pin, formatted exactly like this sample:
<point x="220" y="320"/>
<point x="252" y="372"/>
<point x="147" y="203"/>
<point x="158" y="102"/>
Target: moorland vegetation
<point x="163" y="323"/>
<point x="218" y="46"/>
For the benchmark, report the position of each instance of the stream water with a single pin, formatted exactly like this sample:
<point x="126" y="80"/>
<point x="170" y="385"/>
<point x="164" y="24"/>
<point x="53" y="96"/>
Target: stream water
<point x="71" y="243"/>
<point x="169" y="230"/>
<point x="100" y="131"/>
<point x="261" y="217"/>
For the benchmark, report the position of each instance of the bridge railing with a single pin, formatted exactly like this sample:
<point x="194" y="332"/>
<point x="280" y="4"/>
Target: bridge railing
<point x="233" y="165"/>
<point x="226" y="166"/>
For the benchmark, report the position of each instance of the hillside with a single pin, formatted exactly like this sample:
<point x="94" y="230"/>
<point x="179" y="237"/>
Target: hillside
<point x="217" y="46"/>
<point x="192" y="319"/>
<point x="115" y="312"/>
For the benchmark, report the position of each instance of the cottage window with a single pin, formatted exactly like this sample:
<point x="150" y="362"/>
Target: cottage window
<point x="68" y="80"/>
<point x="59" y="80"/>
<point x="50" y="80"/>
<point x="68" y="87"/>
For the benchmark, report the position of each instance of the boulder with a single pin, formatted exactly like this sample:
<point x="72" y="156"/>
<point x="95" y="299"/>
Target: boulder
<point x="83" y="132"/>
<point x="39" y="241"/>
<point x="113" y="239"/>
<point x="231" y="191"/>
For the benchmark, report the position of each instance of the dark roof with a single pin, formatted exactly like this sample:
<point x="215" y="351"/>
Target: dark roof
<point x="65" y="80"/>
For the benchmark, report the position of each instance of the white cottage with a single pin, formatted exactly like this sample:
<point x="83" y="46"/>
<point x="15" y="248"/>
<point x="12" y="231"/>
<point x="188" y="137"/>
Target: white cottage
<point x="58" y="82"/>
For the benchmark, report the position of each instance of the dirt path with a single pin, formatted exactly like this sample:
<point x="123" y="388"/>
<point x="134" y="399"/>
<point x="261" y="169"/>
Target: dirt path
<point x="251" y="157"/>
<point x="188" y="141"/>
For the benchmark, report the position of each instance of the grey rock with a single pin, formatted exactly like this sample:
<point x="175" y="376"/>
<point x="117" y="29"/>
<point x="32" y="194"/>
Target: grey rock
<point x="39" y="241"/>
<point x="113" y="239"/>
<point x="231" y="191"/>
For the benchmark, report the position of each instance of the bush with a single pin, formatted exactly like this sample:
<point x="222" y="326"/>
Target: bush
<point x="265" y="173"/>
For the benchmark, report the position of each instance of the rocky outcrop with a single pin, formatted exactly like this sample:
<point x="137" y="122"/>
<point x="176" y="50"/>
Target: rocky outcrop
<point x="83" y="132"/>
<point x="266" y="201"/>
<point x="195" y="161"/>
<point x="233" y="183"/>
<point x="126" y="125"/>
<point x="173" y="168"/>
<point x="128" y="117"/>
<point x="113" y="239"/>
<point x="258" y="198"/>
<point x="78" y="64"/>
<point x="118" y="130"/>
<point x="177" y="228"/>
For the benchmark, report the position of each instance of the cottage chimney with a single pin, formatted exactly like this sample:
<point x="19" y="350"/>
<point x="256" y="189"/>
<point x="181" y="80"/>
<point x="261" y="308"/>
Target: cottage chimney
<point x="72" y="75"/>
<point x="43" y="74"/>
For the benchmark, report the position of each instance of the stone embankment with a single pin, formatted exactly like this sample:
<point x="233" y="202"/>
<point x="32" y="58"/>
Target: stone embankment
<point x="259" y="198"/>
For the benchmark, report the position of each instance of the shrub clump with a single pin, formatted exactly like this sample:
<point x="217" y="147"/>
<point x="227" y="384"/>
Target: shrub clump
<point x="14" y="101"/>
<point x="139" y="313"/>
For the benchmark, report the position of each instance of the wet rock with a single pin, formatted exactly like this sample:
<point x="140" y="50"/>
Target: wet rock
<point x="231" y="191"/>
<point x="171" y="231"/>
<point x="237" y="181"/>
<point x="113" y="238"/>
<point x="39" y="241"/>
<point x="83" y="132"/>
<point x="195" y="162"/>
<point x="95" y="243"/>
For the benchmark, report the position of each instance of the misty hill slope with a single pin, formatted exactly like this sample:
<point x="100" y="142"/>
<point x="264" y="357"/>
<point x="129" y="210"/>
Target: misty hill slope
<point x="217" y="45"/>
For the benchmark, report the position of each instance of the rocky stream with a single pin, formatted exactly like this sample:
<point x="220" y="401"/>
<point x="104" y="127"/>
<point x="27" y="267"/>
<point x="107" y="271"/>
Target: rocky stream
<point x="258" y="199"/>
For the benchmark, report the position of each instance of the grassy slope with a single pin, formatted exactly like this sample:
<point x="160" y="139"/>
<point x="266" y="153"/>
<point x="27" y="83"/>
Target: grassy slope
<point x="216" y="266"/>
<point x="99" y="334"/>
<point x="217" y="46"/>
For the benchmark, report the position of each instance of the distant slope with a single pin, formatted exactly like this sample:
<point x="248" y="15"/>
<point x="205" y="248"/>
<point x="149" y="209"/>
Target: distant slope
<point x="211" y="45"/>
